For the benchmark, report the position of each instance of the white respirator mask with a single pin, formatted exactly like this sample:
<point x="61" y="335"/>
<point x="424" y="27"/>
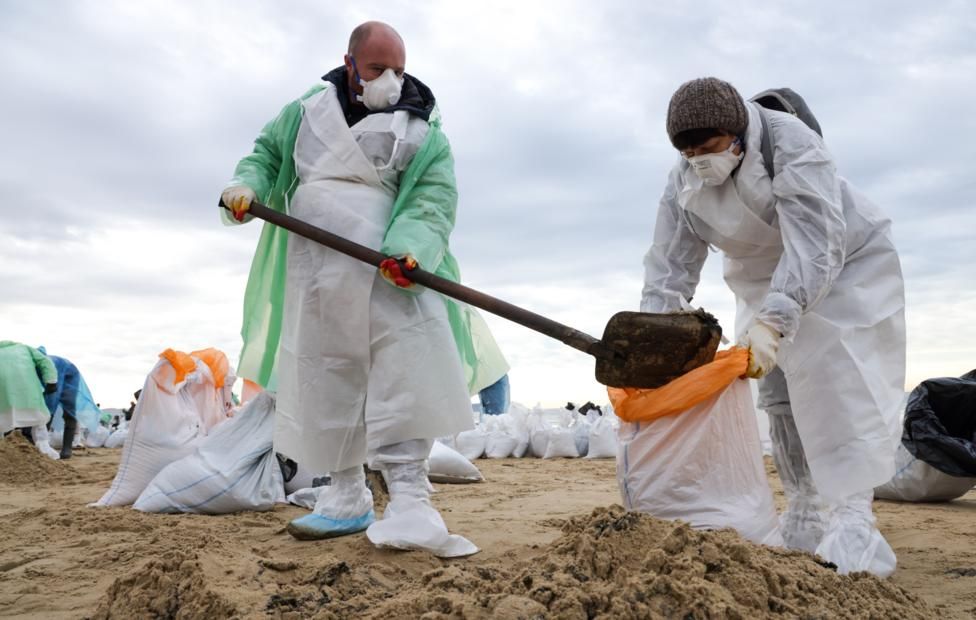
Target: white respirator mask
<point x="714" y="168"/>
<point x="381" y="93"/>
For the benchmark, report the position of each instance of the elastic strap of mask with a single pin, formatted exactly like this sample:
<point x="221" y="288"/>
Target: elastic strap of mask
<point x="355" y="69"/>
<point x="742" y="147"/>
<point x="359" y="80"/>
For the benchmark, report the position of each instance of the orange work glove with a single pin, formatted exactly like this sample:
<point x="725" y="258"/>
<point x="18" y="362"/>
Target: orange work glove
<point x="394" y="271"/>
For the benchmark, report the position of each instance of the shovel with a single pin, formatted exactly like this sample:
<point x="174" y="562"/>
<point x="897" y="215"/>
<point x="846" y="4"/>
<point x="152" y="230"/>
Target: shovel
<point x="638" y="349"/>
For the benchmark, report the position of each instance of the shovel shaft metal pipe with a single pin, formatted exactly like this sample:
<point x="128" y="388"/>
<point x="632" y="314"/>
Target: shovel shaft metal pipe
<point x="536" y="322"/>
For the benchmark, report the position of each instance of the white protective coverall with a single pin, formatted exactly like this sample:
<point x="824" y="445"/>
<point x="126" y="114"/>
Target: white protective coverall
<point x="809" y="256"/>
<point x="362" y="365"/>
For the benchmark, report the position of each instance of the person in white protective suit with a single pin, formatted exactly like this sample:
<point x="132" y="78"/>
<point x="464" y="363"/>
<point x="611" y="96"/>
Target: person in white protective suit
<point x="820" y="305"/>
<point x="368" y="370"/>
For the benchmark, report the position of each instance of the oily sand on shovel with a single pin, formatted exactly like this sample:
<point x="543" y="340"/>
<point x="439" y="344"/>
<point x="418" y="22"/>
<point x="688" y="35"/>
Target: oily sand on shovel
<point x="553" y="546"/>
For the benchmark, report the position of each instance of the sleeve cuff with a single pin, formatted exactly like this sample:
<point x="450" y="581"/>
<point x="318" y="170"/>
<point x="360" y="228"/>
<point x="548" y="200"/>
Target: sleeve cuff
<point x="228" y="220"/>
<point x="782" y="313"/>
<point x="661" y="302"/>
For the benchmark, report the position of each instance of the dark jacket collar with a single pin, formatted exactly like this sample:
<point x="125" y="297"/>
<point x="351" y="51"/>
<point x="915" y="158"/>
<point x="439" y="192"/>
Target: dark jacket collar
<point x="415" y="97"/>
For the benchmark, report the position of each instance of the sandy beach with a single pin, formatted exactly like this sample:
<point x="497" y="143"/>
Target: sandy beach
<point x="533" y="519"/>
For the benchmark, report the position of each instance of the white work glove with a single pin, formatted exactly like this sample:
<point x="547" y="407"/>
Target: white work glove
<point x="763" y="344"/>
<point x="238" y="199"/>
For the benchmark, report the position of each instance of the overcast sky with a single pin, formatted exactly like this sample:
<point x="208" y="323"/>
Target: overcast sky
<point x="122" y="122"/>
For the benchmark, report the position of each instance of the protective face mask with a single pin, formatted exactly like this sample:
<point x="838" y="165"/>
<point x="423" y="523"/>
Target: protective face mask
<point x="714" y="168"/>
<point x="381" y="93"/>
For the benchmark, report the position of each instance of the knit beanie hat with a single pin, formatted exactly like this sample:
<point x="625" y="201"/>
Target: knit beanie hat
<point x="706" y="103"/>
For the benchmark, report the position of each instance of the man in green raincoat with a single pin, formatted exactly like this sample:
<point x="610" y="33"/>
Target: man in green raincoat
<point x="366" y="364"/>
<point x="26" y="375"/>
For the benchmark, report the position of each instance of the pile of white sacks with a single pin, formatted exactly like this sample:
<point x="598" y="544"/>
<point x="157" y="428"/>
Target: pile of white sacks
<point x="540" y="433"/>
<point x="110" y="435"/>
<point x="187" y="449"/>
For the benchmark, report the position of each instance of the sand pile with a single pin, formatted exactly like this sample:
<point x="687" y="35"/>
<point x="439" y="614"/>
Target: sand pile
<point x="172" y="586"/>
<point x="22" y="464"/>
<point x="540" y="558"/>
<point x="608" y="564"/>
<point x="626" y="565"/>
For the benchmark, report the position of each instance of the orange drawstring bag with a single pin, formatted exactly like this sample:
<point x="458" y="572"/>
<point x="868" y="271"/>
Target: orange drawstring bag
<point x="216" y="361"/>
<point x="182" y="363"/>
<point x="688" y="390"/>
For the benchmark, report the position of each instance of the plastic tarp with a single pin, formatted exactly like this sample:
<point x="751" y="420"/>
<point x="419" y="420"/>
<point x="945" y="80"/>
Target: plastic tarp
<point x="917" y="481"/>
<point x="940" y="424"/>
<point x="936" y="460"/>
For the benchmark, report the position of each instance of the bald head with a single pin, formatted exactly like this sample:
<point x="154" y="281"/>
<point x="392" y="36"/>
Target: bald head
<point x="374" y="47"/>
<point x="365" y="31"/>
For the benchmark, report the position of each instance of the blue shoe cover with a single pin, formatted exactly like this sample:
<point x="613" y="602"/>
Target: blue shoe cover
<point x="317" y="527"/>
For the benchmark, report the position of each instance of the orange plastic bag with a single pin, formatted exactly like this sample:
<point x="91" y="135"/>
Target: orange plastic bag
<point x="688" y="390"/>
<point x="216" y="361"/>
<point x="182" y="363"/>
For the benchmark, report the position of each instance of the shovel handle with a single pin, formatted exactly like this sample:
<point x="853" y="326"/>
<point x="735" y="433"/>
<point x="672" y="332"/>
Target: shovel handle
<point x="536" y="322"/>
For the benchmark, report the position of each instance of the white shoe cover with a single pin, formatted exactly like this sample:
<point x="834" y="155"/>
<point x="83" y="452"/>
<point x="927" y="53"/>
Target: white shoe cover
<point x="342" y="508"/>
<point x="347" y="497"/>
<point x="410" y="521"/>
<point x="42" y="441"/>
<point x="802" y="526"/>
<point x="853" y="543"/>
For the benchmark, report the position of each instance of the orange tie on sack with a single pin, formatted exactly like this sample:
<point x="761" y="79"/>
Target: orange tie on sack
<point x="182" y="363"/>
<point x="216" y="361"/>
<point x="680" y="395"/>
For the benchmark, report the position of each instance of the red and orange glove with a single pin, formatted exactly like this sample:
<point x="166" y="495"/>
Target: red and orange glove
<point x="238" y="199"/>
<point x="394" y="271"/>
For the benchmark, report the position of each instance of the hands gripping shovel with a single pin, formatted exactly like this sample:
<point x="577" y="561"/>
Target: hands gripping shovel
<point x="638" y="349"/>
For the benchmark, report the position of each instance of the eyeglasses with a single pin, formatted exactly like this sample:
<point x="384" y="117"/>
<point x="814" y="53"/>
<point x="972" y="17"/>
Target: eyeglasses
<point x="702" y="150"/>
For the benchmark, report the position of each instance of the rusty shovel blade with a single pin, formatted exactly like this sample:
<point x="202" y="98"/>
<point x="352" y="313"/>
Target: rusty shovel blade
<point x="657" y="348"/>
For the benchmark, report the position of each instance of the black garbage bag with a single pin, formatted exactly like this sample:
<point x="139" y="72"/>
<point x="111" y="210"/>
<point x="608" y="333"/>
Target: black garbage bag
<point x="940" y="424"/>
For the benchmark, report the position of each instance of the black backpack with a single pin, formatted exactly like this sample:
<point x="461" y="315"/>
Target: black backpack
<point x="781" y="100"/>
